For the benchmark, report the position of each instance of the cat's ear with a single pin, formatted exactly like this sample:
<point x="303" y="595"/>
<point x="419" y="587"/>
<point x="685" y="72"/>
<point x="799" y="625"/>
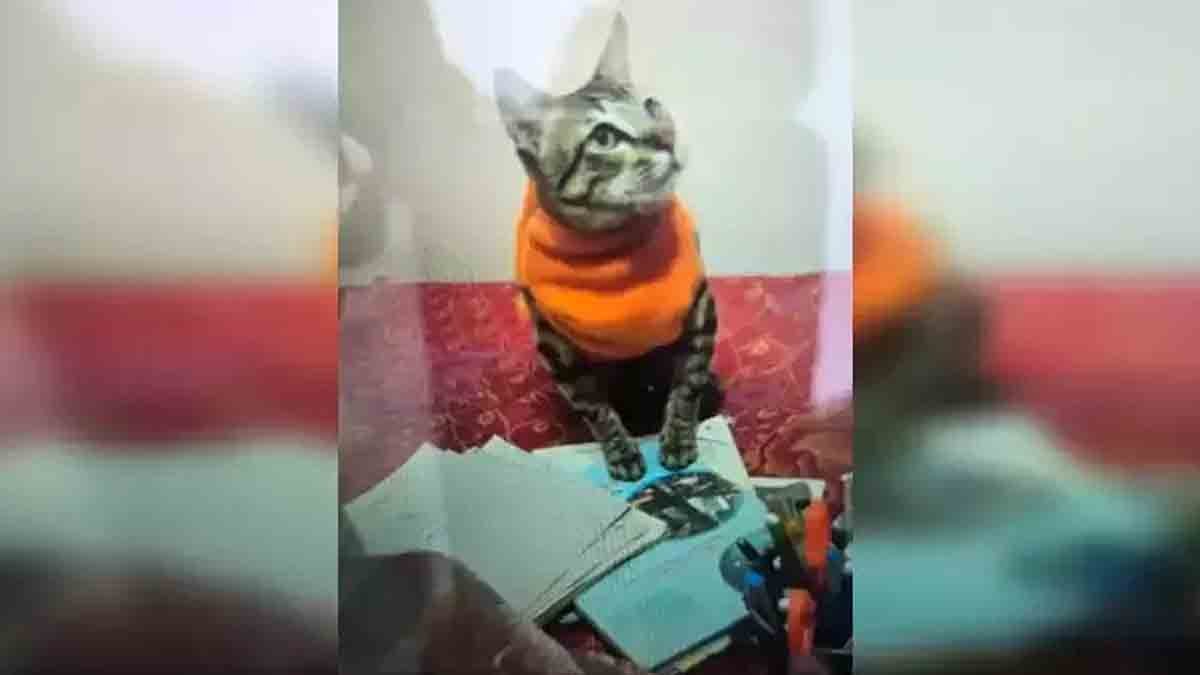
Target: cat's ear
<point x="614" y="62"/>
<point x="521" y="108"/>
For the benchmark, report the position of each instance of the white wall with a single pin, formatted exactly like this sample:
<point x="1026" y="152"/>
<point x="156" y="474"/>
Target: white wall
<point x="228" y="43"/>
<point x="1049" y="136"/>
<point x="139" y="142"/>
<point x="760" y="92"/>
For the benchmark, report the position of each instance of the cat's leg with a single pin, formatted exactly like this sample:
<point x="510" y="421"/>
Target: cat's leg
<point x="586" y="390"/>
<point x="585" y="394"/>
<point x="693" y="378"/>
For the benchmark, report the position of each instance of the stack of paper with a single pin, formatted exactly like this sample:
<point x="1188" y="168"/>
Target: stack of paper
<point x="535" y="534"/>
<point x="627" y="533"/>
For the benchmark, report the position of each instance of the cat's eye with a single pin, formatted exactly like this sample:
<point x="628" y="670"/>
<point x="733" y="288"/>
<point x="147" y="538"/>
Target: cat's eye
<point x="604" y="137"/>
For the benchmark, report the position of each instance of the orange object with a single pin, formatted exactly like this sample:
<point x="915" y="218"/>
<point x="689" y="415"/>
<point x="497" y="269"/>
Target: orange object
<point x="895" y="268"/>
<point x="818" y="537"/>
<point x="801" y="621"/>
<point x="615" y="295"/>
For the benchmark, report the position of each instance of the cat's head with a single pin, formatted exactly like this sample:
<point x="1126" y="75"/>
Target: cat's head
<point x="598" y="155"/>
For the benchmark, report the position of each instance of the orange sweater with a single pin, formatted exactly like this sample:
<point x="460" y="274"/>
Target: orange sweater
<point x="895" y="268"/>
<point x="615" y="295"/>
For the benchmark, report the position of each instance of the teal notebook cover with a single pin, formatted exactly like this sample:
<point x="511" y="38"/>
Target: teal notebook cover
<point x="674" y="597"/>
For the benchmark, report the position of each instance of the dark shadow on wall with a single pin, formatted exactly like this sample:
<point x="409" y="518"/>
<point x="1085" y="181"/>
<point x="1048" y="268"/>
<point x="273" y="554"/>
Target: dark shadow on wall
<point x="421" y="119"/>
<point x="417" y="115"/>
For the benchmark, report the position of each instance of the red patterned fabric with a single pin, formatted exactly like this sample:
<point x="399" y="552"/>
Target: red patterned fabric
<point x="453" y="364"/>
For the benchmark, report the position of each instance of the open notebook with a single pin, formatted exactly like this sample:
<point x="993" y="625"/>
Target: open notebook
<point x="675" y="597"/>
<point x="537" y="535"/>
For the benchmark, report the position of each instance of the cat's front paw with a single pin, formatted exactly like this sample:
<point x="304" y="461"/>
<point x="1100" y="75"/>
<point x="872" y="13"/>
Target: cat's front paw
<point x="624" y="459"/>
<point x="679" y="449"/>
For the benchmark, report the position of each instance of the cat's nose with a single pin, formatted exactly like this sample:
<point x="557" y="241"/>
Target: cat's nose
<point x="663" y="132"/>
<point x="663" y="139"/>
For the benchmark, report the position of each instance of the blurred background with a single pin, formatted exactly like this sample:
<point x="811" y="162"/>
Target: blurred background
<point x="168" y="217"/>
<point x="1042" y="137"/>
<point x="167" y="139"/>
<point x="1025" y="444"/>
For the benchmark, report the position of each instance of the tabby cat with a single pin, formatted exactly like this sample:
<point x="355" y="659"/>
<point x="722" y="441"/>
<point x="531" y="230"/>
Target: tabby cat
<point x="608" y="261"/>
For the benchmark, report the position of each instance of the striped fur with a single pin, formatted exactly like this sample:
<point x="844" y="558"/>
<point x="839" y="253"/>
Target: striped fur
<point x="596" y="390"/>
<point x="693" y="376"/>
<point x="598" y="157"/>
